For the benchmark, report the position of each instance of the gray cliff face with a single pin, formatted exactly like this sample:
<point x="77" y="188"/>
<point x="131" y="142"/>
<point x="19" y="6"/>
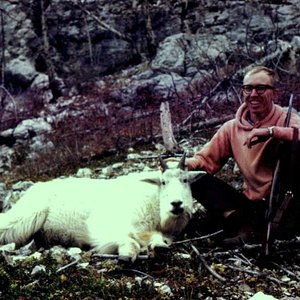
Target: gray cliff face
<point x="88" y="39"/>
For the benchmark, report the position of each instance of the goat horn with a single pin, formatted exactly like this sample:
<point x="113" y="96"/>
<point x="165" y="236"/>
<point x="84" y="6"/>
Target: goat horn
<point x="181" y="164"/>
<point x="163" y="164"/>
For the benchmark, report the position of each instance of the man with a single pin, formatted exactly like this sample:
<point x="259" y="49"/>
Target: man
<point x="258" y="118"/>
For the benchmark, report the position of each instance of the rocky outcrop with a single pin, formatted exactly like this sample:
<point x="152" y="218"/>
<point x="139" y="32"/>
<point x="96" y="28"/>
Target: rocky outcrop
<point x="134" y="53"/>
<point x="94" y="38"/>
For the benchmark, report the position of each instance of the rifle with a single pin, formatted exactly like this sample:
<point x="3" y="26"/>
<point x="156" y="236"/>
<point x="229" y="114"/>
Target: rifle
<point x="274" y="215"/>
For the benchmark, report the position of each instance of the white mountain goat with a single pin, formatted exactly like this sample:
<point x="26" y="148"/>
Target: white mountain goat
<point x="125" y="215"/>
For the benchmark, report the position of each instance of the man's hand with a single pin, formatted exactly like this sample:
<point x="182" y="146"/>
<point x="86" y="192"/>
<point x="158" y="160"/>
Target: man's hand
<point x="256" y="136"/>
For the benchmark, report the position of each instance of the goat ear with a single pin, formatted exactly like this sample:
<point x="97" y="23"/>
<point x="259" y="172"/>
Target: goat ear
<point x="154" y="180"/>
<point x="195" y="175"/>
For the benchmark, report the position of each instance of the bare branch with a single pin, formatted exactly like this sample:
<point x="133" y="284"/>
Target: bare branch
<point x="116" y="256"/>
<point x="11" y="99"/>
<point x="199" y="238"/>
<point x="68" y="265"/>
<point x="211" y="270"/>
<point x="106" y="26"/>
<point x="3" y="48"/>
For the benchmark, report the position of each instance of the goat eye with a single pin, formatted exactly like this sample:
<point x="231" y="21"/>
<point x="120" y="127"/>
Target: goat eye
<point x="163" y="182"/>
<point x="185" y="180"/>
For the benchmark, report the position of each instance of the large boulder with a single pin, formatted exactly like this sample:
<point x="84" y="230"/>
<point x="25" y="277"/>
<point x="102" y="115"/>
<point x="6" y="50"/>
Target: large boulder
<point x="186" y="54"/>
<point x="31" y="128"/>
<point x="21" y="72"/>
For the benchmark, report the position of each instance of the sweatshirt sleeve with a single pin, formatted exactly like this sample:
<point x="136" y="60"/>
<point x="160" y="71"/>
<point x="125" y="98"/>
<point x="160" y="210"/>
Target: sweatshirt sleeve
<point x="286" y="133"/>
<point x="215" y="153"/>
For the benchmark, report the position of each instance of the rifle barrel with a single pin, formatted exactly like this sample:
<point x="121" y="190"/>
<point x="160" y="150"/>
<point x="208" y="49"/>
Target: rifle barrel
<point x="288" y="117"/>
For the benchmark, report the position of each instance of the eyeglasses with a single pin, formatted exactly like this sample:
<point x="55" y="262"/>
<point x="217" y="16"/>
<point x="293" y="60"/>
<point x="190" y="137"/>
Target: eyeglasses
<point x="260" y="89"/>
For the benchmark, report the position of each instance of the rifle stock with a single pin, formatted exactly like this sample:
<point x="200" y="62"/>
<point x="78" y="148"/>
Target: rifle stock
<point x="274" y="194"/>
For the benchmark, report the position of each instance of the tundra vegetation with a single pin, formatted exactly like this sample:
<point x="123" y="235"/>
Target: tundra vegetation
<point x="194" y="266"/>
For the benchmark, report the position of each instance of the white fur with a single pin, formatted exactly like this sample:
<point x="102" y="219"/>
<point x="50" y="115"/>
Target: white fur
<point x="124" y="215"/>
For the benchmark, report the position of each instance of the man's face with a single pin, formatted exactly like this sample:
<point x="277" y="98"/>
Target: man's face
<point x="259" y="103"/>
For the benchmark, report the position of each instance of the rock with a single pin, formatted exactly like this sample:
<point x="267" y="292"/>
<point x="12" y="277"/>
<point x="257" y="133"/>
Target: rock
<point x="117" y="165"/>
<point x="83" y="265"/>
<point x="22" y="185"/>
<point x="8" y="247"/>
<point x="2" y="188"/>
<point x="6" y="154"/>
<point x="74" y="253"/>
<point x="296" y="43"/>
<point x="39" y="145"/>
<point x="27" y="249"/>
<point x="84" y="172"/>
<point x="165" y="85"/>
<point x="38" y="269"/>
<point x="31" y="127"/>
<point x="58" y="253"/>
<point x="133" y="156"/>
<point x="41" y="86"/>
<point x="17" y="259"/>
<point x="108" y="171"/>
<point x="164" y="289"/>
<point x="262" y="296"/>
<point x="171" y="53"/>
<point x="183" y="255"/>
<point x="41" y="81"/>
<point x="186" y="54"/>
<point x="21" y="71"/>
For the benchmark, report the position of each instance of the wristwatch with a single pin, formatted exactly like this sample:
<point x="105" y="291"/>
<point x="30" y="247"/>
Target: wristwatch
<point x="271" y="130"/>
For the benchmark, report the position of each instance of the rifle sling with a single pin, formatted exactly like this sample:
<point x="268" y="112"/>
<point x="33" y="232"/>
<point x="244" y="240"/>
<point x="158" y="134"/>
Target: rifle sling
<point x="289" y="193"/>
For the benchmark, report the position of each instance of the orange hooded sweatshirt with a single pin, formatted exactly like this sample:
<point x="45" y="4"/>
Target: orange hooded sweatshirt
<point x="256" y="163"/>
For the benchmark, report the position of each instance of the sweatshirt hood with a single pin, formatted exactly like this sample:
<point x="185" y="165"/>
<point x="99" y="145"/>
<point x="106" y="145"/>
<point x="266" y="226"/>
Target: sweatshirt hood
<point x="243" y="111"/>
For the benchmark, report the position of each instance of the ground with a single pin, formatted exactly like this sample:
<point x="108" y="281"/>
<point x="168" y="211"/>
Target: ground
<point x="193" y="268"/>
<point x="196" y="266"/>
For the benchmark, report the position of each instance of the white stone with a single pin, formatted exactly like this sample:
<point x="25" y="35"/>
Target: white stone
<point x="262" y="296"/>
<point x="37" y="126"/>
<point x="84" y="172"/>
<point x="38" y="269"/>
<point x="22" y="66"/>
